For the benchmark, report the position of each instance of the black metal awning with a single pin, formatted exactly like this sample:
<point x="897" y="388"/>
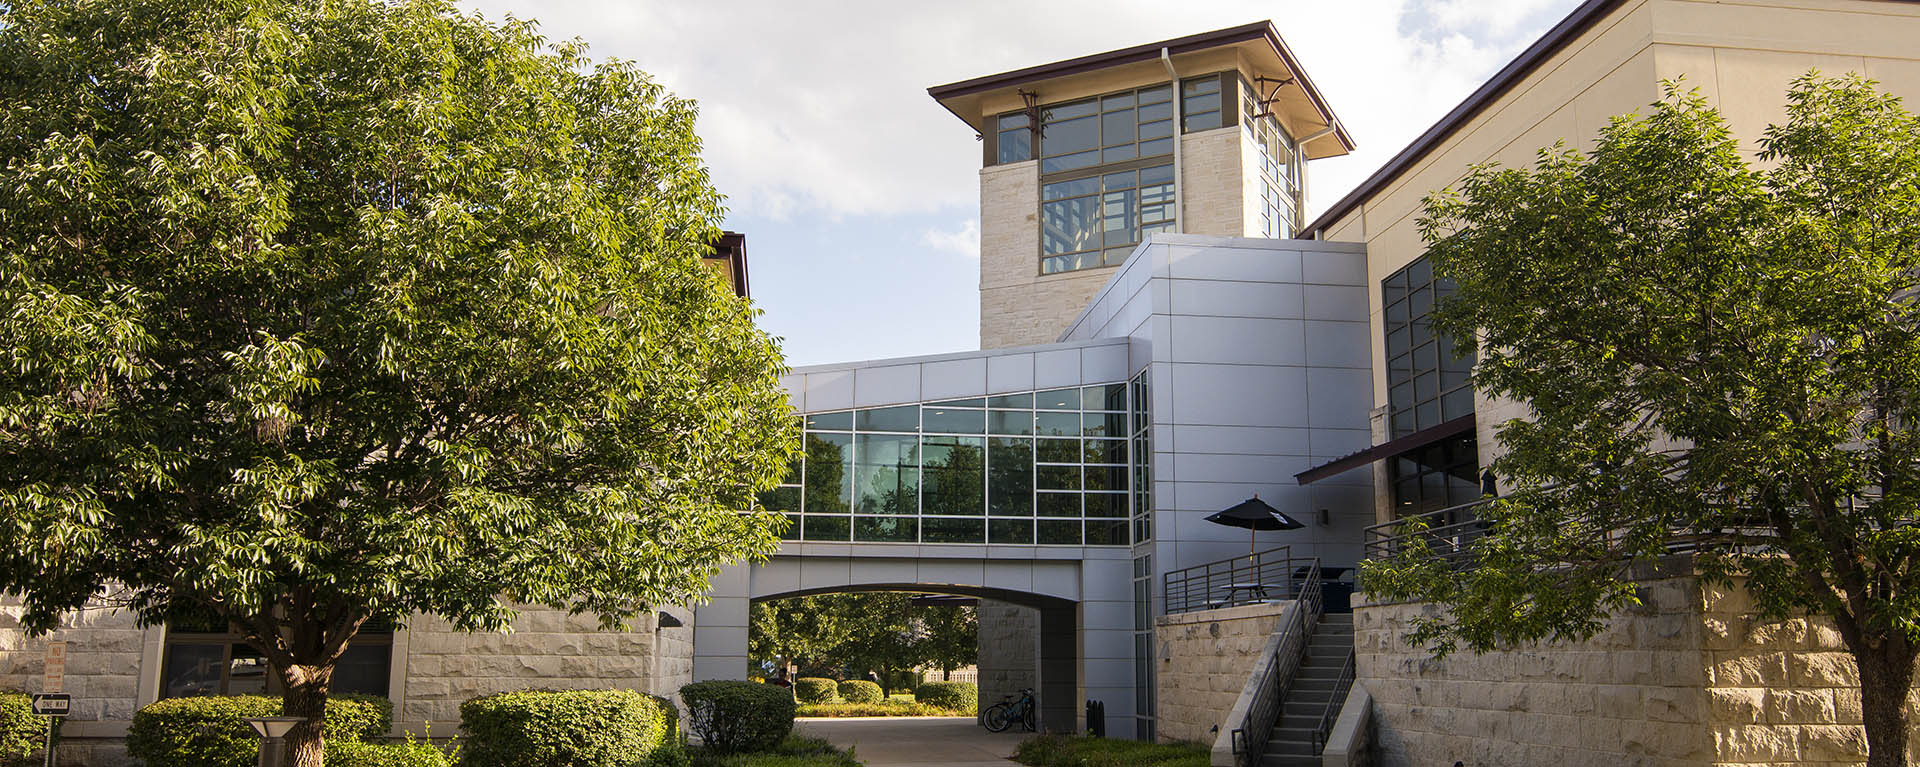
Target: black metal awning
<point x="1388" y="449"/>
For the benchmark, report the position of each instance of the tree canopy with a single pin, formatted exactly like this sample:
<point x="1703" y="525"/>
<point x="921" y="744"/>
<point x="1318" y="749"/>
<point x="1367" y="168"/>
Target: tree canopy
<point x="1707" y="348"/>
<point x="882" y="631"/>
<point x="321" y="313"/>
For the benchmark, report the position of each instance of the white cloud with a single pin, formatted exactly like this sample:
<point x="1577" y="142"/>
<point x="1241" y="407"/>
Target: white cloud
<point x="963" y="240"/>
<point x="820" y="109"/>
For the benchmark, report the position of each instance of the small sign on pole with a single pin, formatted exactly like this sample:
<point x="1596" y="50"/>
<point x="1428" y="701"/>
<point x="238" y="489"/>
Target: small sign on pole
<point x="54" y="677"/>
<point x="52" y="703"/>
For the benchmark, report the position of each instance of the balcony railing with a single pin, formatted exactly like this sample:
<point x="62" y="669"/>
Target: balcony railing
<point x="1274" y="575"/>
<point x="1275" y="672"/>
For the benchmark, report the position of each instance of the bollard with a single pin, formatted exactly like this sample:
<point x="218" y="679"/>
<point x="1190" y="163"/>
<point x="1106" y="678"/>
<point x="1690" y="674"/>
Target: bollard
<point x="273" y="732"/>
<point x="1096" y="718"/>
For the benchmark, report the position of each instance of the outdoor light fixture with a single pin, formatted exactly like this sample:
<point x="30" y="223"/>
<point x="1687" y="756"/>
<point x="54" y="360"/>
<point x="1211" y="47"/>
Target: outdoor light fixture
<point x="1326" y="517"/>
<point x="667" y="621"/>
<point x="272" y="731"/>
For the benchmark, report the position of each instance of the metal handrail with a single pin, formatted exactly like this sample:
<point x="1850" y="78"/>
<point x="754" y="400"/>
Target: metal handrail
<point x="1211" y="585"/>
<point x="1275" y="672"/>
<point x="1332" y="713"/>
<point x="1452" y="535"/>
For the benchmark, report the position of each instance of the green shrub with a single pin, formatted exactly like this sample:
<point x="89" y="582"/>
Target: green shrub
<point x="860" y="691"/>
<point x="885" y="708"/>
<point x="353" y="753"/>
<point x="813" y="689"/>
<point x="576" y="728"/>
<point x="21" y="733"/>
<point x="959" y="696"/>
<point x="213" y="732"/>
<point x="732" y="716"/>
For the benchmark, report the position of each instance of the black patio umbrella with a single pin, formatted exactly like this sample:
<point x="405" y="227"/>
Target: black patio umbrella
<point x="1254" y="515"/>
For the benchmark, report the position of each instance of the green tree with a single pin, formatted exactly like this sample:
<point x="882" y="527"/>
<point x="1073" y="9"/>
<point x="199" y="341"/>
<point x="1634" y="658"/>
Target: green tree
<point x="949" y="638"/>
<point x="1704" y="347"/>
<point x="797" y="631"/>
<point x="322" y="313"/>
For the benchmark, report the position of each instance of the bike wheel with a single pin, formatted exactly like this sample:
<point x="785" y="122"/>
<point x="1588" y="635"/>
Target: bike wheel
<point x="997" y="718"/>
<point x="1026" y="719"/>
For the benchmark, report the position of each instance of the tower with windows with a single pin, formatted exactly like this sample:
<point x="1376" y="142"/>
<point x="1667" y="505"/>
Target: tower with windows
<point x="1083" y="159"/>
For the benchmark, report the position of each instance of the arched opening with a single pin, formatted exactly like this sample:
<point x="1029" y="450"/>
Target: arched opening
<point x="1025" y="640"/>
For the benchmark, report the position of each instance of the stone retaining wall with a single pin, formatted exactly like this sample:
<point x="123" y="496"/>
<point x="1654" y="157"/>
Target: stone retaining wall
<point x="1692" y="678"/>
<point x="1201" y="663"/>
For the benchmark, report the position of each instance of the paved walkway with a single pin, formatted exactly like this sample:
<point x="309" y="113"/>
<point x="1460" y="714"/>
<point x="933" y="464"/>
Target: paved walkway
<point x="916" y="741"/>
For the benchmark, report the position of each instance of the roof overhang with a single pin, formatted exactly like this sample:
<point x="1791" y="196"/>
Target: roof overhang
<point x="1556" y="39"/>
<point x="1389" y="449"/>
<point x="1259" y="46"/>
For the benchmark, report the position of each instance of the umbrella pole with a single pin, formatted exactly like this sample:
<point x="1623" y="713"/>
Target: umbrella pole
<point x="1250" y="544"/>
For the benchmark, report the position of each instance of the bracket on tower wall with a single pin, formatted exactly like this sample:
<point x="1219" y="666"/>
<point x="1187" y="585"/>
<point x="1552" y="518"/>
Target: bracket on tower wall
<point x="1266" y="100"/>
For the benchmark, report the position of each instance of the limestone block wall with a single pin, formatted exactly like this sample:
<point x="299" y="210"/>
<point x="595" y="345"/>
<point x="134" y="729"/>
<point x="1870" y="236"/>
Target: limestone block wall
<point x="1212" y="184"/>
<point x="548" y="649"/>
<point x="1009" y="650"/>
<point x="1201" y="662"/>
<point x="1693" y="677"/>
<point x="104" y="653"/>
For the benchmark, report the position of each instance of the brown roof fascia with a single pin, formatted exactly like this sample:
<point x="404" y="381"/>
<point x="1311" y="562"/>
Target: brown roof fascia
<point x="732" y="248"/>
<point x="1557" y="38"/>
<point x="1148" y="52"/>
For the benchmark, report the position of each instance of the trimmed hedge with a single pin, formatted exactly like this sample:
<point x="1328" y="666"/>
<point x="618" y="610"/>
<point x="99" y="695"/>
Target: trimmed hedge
<point x="353" y="753"/>
<point x="861" y="691"/>
<point x="21" y="733"/>
<point x="813" y="689"/>
<point x="571" y="728"/>
<point x="732" y="716"/>
<point x="213" y="732"/>
<point x="959" y="696"/>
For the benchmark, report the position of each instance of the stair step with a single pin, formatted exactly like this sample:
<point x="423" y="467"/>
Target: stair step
<point x="1289" y="760"/>
<point x="1290" y="742"/>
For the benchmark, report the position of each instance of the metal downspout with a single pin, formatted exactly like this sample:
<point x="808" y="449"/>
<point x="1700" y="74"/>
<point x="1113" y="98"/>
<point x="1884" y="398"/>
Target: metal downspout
<point x="1179" y="121"/>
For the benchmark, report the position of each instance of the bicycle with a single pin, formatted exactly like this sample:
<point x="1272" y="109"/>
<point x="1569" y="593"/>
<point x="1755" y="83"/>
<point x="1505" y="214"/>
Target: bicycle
<point x="1009" y="710"/>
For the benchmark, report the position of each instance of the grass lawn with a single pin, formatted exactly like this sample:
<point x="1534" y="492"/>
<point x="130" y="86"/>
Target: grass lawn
<point x="897" y="704"/>
<point x="1082" y="751"/>
<point x="795" y="751"/>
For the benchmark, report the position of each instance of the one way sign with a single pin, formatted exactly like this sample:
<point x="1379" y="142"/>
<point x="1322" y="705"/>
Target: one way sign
<point x="52" y="703"/>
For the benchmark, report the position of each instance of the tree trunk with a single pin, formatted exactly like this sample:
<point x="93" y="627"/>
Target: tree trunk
<point x="306" y="697"/>
<point x="1886" y="678"/>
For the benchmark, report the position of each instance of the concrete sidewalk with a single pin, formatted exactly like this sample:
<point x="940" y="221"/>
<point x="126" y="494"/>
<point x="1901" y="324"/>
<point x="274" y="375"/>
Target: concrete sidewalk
<point x="918" y="741"/>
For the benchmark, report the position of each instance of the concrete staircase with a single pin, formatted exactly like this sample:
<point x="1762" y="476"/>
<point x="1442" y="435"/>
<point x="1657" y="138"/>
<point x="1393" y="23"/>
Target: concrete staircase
<point x="1290" y="743"/>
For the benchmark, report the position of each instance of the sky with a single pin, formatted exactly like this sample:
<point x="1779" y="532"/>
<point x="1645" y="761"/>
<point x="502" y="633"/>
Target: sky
<point x="859" y="194"/>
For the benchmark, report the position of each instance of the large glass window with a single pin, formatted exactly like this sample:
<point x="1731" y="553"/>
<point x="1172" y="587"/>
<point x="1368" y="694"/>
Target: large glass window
<point x="214" y="660"/>
<point x="1426" y="384"/>
<point x="1106" y="129"/>
<point x="1097" y="220"/>
<point x="1279" y="165"/>
<point x="1047" y="467"/>
<point x="1435" y="477"/>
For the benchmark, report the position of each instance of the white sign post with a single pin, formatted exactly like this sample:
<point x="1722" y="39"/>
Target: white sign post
<point x="53" y="700"/>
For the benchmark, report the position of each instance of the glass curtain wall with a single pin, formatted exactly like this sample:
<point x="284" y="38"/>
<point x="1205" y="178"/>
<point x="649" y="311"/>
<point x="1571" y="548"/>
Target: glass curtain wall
<point x="1106" y="165"/>
<point x="1426" y="387"/>
<point x="1279" y="165"/>
<point x="1044" y="467"/>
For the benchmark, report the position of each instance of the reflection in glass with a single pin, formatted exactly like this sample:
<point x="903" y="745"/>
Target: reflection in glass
<point x="1059" y="532"/>
<point x="193" y="669"/>
<point x="952" y="421"/>
<point x="817" y="528"/>
<point x="1011" y="401"/>
<point x="1010" y="421"/>
<point x="842" y="421"/>
<point x="953" y="530"/>
<point x="1058" y="504"/>
<point x="1058" y="424"/>
<point x="363" y="669"/>
<point x="954" y="476"/>
<point x="781" y="499"/>
<point x="886" y="529"/>
<point x="886" y="473"/>
<point x="247" y="671"/>
<point x="829" y="473"/>
<point x="1010" y="531"/>
<point x="1010" y="477"/>
<point x="902" y="418"/>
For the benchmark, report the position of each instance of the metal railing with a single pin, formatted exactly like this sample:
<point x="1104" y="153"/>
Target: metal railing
<point x="1452" y="535"/>
<point x="1273" y="575"/>
<point x="1275" y="672"/>
<point x="1341" y="686"/>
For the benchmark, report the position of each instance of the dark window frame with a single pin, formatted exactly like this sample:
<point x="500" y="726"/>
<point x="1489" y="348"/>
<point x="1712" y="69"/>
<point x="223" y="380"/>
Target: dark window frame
<point x="231" y="640"/>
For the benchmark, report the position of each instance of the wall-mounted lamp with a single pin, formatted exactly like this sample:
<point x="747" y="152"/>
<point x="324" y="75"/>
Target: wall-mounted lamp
<point x="1326" y="517"/>
<point x="667" y="621"/>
